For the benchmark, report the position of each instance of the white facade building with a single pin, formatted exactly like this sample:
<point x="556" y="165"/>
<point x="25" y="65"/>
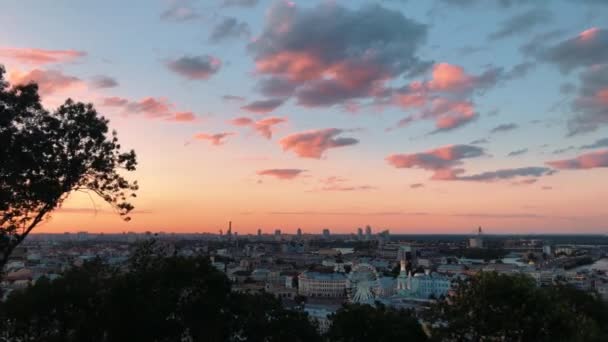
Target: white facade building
<point x="316" y="284"/>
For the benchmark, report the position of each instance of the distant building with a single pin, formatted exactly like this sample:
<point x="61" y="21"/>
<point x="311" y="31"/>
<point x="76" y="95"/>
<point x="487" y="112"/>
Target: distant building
<point x="451" y="268"/>
<point x="325" y="285"/>
<point x="384" y="236"/>
<point x="547" y="250"/>
<point x="368" y="233"/>
<point x="423" y="285"/>
<point x="602" y="289"/>
<point x="326" y="233"/>
<point x="476" y="241"/>
<point x="229" y="233"/>
<point x="299" y="233"/>
<point x="277" y="235"/>
<point x="320" y="313"/>
<point x="409" y="254"/>
<point x="259" y="233"/>
<point x="260" y="274"/>
<point x="360" y="233"/>
<point x="82" y="236"/>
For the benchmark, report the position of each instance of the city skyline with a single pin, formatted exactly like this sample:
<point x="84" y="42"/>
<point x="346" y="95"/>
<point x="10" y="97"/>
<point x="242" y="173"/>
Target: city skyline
<point x="403" y="115"/>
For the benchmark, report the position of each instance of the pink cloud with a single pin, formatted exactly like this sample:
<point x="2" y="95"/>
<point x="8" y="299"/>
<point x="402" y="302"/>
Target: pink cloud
<point x="586" y="49"/>
<point x="313" y="144"/>
<point x="452" y="114"/>
<point x="585" y="161"/>
<point x="263" y="106"/>
<point x="438" y="159"/>
<point x="334" y="64"/>
<point x="295" y="66"/>
<point x="281" y="173"/>
<point x="528" y="181"/>
<point x="497" y="175"/>
<point x="150" y="108"/>
<point x="341" y="184"/>
<point x="242" y="121"/>
<point x="40" y="56"/>
<point x="49" y="81"/>
<point x="215" y="139"/>
<point x="446" y="97"/>
<point x="451" y="78"/>
<point x="444" y="162"/>
<point x="114" y="101"/>
<point x="264" y="126"/>
<point x="183" y="117"/>
<point x="591" y="104"/>
<point x="589" y="35"/>
<point x="602" y="96"/>
<point x="195" y="67"/>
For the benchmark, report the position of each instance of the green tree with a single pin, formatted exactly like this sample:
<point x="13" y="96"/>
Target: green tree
<point x="495" y="307"/>
<point x="276" y="324"/>
<point x="356" y="322"/>
<point x="159" y="298"/>
<point x="45" y="156"/>
<point x="66" y="309"/>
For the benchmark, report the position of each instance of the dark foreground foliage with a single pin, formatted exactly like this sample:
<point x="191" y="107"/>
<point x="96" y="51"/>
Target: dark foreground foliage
<point x="494" y="307"/>
<point x="159" y="299"/>
<point x="47" y="155"/>
<point x="171" y="298"/>
<point x="356" y="322"/>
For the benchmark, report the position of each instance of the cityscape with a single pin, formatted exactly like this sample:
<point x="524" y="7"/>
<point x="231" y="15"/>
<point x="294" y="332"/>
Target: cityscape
<point x="318" y="273"/>
<point x="304" y="170"/>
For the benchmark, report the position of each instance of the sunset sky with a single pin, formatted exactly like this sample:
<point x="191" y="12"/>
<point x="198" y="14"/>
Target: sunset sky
<point x="416" y="116"/>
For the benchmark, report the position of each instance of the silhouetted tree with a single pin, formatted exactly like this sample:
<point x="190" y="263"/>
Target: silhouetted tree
<point x="356" y="322"/>
<point x="261" y="318"/>
<point x="495" y="307"/>
<point x="67" y="309"/>
<point x="48" y="155"/>
<point x="159" y="298"/>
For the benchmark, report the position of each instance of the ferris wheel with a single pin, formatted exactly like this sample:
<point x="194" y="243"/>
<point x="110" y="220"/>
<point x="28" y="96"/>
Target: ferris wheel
<point x="363" y="284"/>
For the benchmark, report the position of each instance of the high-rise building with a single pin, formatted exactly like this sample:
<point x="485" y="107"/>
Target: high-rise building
<point x="229" y="232"/>
<point x="82" y="236"/>
<point x="368" y="232"/>
<point x="326" y="233"/>
<point x="477" y="241"/>
<point x="259" y="233"/>
<point x="408" y="254"/>
<point x="299" y="233"/>
<point x="360" y="233"/>
<point x="277" y="234"/>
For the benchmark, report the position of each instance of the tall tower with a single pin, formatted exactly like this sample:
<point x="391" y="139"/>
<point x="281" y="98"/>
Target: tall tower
<point x="368" y="232"/>
<point x="477" y="241"/>
<point x="299" y="233"/>
<point x="402" y="279"/>
<point x="326" y="233"/>
<point x="259" y="233"/>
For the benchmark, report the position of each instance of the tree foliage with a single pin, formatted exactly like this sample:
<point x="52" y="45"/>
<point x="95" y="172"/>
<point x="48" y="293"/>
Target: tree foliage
<point x="46" y="155"/>
<point x="160" y="298"/>
<point x="357" y="322"/>
<point x="495" y="307"/>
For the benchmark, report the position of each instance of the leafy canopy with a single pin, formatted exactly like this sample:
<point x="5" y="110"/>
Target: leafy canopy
<point x="497" y="307"/>
<point x="46" y="155"/>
